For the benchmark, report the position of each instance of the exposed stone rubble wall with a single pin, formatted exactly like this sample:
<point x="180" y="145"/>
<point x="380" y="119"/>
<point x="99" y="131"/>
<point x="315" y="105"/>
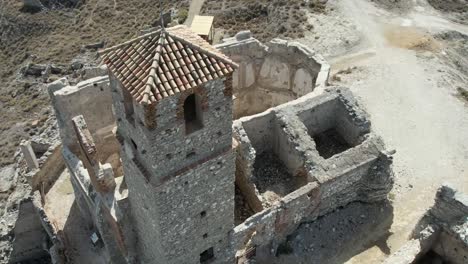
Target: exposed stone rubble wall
<point x="272" y="74"/>
<point x="265" y="230"/>
<point x="181" y="185"/>
<point x="97" y="194"/>
<point x="444" y="229"/>
<point x="102" y="212"/>
<point x="360" y="173"/>
<point x="31" y="241"/>
<point x="157" y="144"/>
<point x="55" y="245"/>
<point x="51" y="166"/>
<point x="450" y="212"/>
<point x="90" y="98"/>
<point x="412" y="250"/>
<point x="102" y="176"/>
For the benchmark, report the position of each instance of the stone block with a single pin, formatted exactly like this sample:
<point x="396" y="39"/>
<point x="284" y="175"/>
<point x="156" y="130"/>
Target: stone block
<point x="29" y="155"/>
<point x="7" y="176"/>
<point x="243" y="35"/>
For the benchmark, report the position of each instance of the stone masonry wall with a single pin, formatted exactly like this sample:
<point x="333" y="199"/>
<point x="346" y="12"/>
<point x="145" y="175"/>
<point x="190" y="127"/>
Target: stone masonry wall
<point x="173" y="211"/>
<point x="101" y="210"/>
<point x="360" y="173"/>
<point x="272" y="74"/>
<point x="167" y="143"/>
<point x="51" y="166"/>
<point x="90" y="98"/>
<point x="30" y="238"/>
<point x="443" y="229"/>
<point x="450" y="212"/>
<point x="180" y="184"/>
<point x="268" y="228"/>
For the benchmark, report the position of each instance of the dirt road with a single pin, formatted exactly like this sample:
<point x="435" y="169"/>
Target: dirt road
<point x="399" y="74"/>
<point x="410" y="109"/>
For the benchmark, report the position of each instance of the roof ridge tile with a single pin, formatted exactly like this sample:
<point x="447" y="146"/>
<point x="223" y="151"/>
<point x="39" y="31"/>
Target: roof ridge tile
<point x="165" y="62"/>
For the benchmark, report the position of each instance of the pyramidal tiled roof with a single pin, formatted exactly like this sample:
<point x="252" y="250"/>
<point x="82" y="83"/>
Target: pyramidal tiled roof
<point x="165" y="62"/>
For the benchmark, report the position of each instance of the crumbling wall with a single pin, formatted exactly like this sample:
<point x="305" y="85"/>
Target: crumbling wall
<point x="95" y="209"/>
<point x="268" y="228"/>
<point x="360" y="173"/>
<point x="56" y="245"/>
<point x="51" y="166"/>
<point x="81" y="184"/>
<point x="31" y="241"/>
<point x="450" y="211"/>
<point x="271" y="74"/>
<point x="97" y="193"/>
<point x="443" y="232"/>
<point x="414" y="249"/>
<point x="90" y="98"/>
<point x="261" y="136"/>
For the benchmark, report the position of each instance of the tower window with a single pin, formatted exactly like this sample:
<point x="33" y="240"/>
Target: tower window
<point x="192" y="114"/>
<point x="207" y="256"/>
<point x="128" y="105"/>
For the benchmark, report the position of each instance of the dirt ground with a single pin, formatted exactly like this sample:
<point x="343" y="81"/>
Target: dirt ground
<point x="407" y="68"/>
<point x="56" y="36"/>
<point x="266" y="19"/>
<point x="336" y="237"/>
<point x="272" y="178"/>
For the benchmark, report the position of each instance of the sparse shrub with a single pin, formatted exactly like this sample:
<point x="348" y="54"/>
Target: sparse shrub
<point x="463" y="93"/>
<point x="182" y="15"/>
<point x="274" y="18"/>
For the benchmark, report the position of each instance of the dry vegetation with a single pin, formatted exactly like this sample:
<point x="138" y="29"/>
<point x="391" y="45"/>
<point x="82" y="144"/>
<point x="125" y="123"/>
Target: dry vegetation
<point x="411" y="38"/>
<point x="456" y="50"/>
<point x="55" y="36"/>
<point x="266" y="19"/>
<point x="459" y="6"/>
<point x="457" y="10"/>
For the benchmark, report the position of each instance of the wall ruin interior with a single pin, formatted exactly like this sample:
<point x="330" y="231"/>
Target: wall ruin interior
<point x="288" y="167"/>
<point x="92" y="99"/>
<point x="88" y="98"/>
<point x="314" y="185"/>
<point x="273" y="73"/>
<point x="271" y="201"/>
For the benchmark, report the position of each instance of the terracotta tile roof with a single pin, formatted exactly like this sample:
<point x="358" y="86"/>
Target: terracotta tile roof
<point x="165" y="62"/>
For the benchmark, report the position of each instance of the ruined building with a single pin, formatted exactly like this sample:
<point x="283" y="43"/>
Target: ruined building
<point x="172" y="100"/>
<point x="161" y="173"/>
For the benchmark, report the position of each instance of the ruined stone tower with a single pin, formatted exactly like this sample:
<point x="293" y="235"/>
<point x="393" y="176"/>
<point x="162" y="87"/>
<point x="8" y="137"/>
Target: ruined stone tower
<point x="172" y="99"/>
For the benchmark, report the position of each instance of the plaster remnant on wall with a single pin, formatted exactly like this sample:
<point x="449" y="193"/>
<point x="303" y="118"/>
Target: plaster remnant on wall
<point x="273" y="73"/>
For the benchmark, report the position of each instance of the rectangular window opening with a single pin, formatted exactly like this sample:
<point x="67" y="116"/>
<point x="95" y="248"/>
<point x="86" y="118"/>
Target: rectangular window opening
<point x="192" y="114"/>
<point x="207" y="256"/>
<point x="128" y="106"/>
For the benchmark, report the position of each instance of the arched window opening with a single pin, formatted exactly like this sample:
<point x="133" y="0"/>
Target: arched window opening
<point x="192" y="114"/>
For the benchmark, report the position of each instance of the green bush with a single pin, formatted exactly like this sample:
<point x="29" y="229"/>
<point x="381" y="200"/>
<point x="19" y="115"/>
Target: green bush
<point x="463" y="93"/>
<point x="182" y="15"/>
